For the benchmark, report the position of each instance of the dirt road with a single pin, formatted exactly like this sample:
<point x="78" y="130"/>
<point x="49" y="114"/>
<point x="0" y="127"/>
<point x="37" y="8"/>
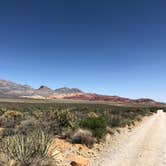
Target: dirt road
<point x="143" y="146"/>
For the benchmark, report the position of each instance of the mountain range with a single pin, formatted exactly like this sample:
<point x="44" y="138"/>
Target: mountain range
<point x="9" y="89"/>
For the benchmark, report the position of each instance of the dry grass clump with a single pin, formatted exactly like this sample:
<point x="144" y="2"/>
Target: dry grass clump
<point x="83" y="137"/>
<point x="27" y="126"/>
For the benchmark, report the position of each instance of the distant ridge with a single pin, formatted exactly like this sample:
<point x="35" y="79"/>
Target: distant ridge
<point x="9" y="89"/>
<point x="43" y="91"/>
<point x="65" y="90"/>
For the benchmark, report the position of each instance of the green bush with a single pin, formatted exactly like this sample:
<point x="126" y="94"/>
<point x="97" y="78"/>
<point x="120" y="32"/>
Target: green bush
<point x="96" y="125"/>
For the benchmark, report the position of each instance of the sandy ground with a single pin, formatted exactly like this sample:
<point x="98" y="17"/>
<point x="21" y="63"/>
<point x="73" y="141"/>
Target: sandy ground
<point x="145" y="145"/>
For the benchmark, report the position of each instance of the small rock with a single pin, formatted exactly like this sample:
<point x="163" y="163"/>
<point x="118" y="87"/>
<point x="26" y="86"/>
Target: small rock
<point x="79" y="161"/>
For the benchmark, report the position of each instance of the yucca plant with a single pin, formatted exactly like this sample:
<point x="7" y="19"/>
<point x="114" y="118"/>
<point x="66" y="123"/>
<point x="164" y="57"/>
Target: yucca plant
<point x="41" y="142"/>
<point x="25" y="148"/>
<point x="19" y="148"/>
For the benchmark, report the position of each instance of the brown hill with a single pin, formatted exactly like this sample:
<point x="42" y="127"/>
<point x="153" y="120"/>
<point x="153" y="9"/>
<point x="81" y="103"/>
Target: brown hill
<point x="10" y="89"/>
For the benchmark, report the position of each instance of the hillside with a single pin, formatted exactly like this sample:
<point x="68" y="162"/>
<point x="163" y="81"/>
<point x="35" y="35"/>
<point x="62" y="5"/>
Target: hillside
<point x="10" y="89"/>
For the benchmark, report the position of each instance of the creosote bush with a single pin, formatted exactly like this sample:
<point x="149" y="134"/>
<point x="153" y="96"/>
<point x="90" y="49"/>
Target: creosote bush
<point x="96" y="125"/>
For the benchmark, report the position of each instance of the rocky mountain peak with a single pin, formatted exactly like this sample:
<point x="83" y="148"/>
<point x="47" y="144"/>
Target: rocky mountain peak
<point x="42" y="87"/>
<point x="66" y="90"/>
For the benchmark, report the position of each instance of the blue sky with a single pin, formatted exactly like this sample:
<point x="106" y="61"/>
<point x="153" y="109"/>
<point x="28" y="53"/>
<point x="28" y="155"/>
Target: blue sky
<point x="111" y="47"/>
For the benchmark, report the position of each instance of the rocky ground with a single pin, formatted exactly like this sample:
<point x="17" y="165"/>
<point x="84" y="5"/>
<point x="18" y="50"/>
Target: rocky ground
<point x="66" y="153"/>
<point x="143" y="145"/>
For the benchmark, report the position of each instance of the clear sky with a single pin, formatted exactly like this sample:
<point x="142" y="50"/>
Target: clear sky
<point x="115" y="47"/>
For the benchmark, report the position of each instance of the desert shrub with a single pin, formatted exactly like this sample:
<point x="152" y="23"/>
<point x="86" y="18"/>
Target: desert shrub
<point x="118" y="120"/>
<point x="48" y="121"/>
<point x="14" y="115"/>
<point x="11" y="119"/>
<point x="7" y="123"/>
<point x="96" y="125"/>
<point x="2" y="110"/>
<point x="39" y="114"/>
<point x="110" y="130"/>
<point x="83" y="137"/>
<point x="3" y="121"/>
<point x="114" y="121"/>
<point x="124" y="122"/>
<point x="27" y="126"/>
<point x="26" y="148"/>
<point x="92" y="115"/>
<point x="138" y="118"/>
<point x="67" y="133"/>
<point x="65" y="118"/>
<point x="50" y="127"/>
<point x="53" y="121"/>
<point x="153" y="110"/>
